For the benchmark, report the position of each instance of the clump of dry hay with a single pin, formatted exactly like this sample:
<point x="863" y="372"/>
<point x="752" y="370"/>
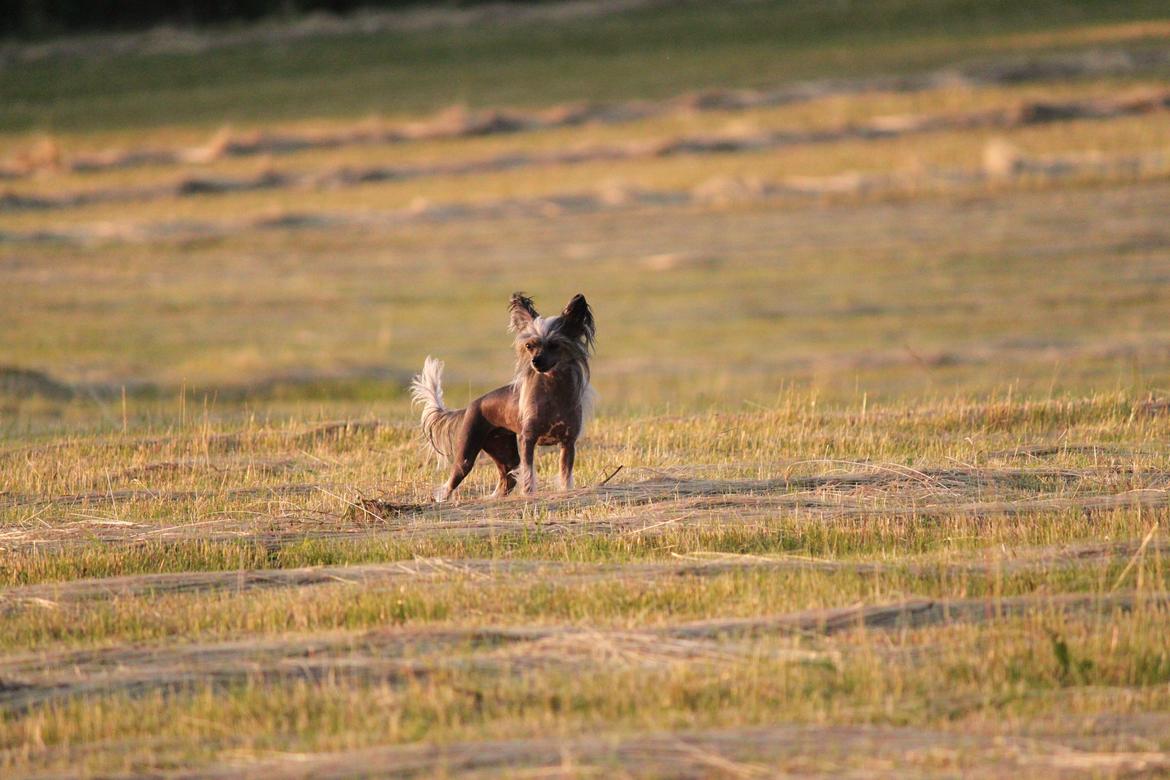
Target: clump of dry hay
<point x="729" y="190"/>
<point x="616" y="192"/>
<point x="44" y="155"/>
<point x="1002" y="159"/>
<point x="678" y="261"/>
<point x="215" y="148"/>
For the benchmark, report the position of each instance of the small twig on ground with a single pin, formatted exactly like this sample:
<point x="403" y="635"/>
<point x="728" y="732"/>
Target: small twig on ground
<point x="1136" y="557"/>
<point x="611" y="475"/>
<point x="659" y="524"/>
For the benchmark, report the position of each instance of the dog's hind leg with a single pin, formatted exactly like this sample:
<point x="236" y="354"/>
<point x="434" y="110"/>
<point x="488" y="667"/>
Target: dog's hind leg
<point x="470" y="442"/>
<point x="501" y="446"/>
<point x="568" y="455"/>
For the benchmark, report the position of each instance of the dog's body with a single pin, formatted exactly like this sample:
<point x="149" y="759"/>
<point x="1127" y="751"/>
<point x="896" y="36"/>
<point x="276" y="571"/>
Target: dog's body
<point x="547" y="401"/>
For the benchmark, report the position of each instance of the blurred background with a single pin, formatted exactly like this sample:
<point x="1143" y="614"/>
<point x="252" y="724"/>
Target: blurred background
<point x="285" y="206"/>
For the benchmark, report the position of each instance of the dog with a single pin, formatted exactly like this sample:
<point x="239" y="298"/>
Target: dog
<point x="547" y="402"/>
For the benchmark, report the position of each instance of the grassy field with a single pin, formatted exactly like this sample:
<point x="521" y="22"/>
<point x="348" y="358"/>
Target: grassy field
<point x="649" y="51"/>
<point x="879" y="479"/>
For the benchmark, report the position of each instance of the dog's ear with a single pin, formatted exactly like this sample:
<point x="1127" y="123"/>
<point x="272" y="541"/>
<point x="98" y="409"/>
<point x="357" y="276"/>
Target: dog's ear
<point x="577" y="320"/>
<point x="521" y="311"/>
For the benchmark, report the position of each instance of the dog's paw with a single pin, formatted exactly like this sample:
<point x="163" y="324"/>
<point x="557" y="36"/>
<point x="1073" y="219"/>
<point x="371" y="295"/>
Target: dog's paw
<point x="441" y="495"/>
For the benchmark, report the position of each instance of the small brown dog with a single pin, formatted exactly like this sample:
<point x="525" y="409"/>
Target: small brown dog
<point x="547" y="401"/>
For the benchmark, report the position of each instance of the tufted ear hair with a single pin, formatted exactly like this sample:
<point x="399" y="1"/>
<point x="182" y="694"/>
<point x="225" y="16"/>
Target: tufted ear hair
<point x="576" y="321"/>
<point x="521" y="312"/>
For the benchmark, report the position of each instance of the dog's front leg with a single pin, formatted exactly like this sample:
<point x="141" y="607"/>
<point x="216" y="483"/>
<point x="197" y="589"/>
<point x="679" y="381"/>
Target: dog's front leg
<point x="568" y="454"/>
<point x="528" y="464"/>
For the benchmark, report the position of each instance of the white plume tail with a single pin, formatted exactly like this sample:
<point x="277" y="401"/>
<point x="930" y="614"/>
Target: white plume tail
<point x="440" y="425"/>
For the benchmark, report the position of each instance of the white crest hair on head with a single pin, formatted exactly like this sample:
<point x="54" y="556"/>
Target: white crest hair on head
<point x="572" y="331"/>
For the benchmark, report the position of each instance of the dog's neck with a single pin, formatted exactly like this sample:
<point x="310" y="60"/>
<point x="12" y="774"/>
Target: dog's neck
<point x="572" y="375"/>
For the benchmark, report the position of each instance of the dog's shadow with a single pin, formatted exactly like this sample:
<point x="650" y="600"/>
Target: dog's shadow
<point x="950" y="486"/>
<point x="641" y="492"/>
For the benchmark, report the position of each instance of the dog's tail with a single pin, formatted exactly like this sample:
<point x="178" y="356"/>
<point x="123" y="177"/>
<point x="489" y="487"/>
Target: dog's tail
<point x="440" y="425"/>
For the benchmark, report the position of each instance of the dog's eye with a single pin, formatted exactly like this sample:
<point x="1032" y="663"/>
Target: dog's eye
<point x="531" y="345"/>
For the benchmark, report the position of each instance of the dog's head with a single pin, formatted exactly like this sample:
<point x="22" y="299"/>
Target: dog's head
<point x="547" y="342"/>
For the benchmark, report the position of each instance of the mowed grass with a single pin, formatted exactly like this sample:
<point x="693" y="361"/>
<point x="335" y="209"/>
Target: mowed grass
<point x="1020" y="680"/>
<point x="877" y="484"/>
<point x="406" y="635"/>
<point x="757" y="298"/>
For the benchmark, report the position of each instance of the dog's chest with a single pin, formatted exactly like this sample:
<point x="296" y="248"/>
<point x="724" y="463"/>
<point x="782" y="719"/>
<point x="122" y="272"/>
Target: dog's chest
<point x="557" y="432"/>
<point x="551" y="408"/>
<point x="554" y="417"/>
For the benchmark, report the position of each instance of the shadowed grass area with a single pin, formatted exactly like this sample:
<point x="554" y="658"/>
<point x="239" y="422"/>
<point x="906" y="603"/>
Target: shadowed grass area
<point x="640" y="53"/>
